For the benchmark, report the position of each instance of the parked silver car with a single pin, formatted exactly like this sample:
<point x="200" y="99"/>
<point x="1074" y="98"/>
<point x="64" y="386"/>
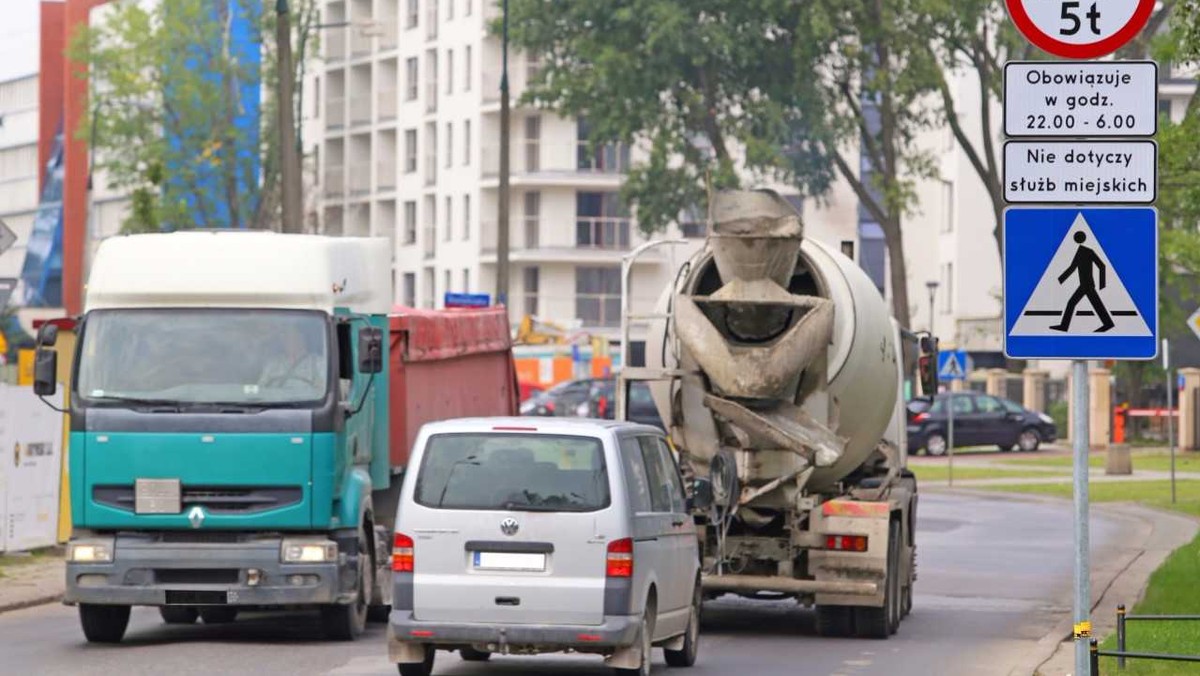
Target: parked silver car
<point x="527" y="535"/>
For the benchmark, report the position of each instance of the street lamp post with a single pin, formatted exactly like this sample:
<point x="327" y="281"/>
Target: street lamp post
<point x="933" y="287"/>
<point x="502" y="217"/>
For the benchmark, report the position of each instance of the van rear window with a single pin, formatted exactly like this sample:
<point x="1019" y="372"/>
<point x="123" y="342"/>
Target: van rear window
<point x="523" y="472"/>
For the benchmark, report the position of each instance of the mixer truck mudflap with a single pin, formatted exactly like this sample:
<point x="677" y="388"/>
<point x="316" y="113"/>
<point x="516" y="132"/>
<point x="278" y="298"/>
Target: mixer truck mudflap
<point x="841" y="524"/>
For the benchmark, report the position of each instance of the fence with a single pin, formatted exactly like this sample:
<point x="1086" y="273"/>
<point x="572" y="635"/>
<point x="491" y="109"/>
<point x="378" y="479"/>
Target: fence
<point x="1122" y="641"/>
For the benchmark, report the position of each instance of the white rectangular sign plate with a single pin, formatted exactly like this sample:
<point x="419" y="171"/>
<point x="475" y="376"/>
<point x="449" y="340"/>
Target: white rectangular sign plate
<point x="1080" y="172"/>
<point x="1094" y="98"/>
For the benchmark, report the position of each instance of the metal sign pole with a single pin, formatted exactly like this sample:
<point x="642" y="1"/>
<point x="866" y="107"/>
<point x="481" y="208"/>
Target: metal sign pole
<point x="950" y="436"/>
<point x="1083" y="604"/>
<point x="1166" y="350"/>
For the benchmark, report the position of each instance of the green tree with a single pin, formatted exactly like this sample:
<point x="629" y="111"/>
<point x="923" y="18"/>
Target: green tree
<point x="723" y="92"/>
<point x="167" y="88"/>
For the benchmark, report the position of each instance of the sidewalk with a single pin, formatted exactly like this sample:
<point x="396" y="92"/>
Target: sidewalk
<point x="30" y="580"/>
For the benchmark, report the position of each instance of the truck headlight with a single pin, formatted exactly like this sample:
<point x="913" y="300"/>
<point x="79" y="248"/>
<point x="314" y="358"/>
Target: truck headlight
<point x="308" y="551"/>
<point x="91" y="551"/>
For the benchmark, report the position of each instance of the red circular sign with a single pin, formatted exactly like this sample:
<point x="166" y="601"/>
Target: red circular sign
<point x="1080" y="29"/>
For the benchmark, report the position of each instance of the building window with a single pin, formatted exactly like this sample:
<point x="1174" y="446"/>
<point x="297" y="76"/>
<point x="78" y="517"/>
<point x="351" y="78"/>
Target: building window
<point x="601" y="221"/>
<point x="409" y="293"/>
<point x="410" y="222"/>
<point x="467" y="68"/>
<point x="449" y="9"/>
<point x="446" y="281"/>
<point x="410" y="151"/>
<point x="466" y="287"/>
<point x="430" y="233"/>
<point x="693" y="223"/>
<point x="532" y="220"/>
<point x="414" y="9"/>
<point x="466" y="217"/>
<point x="948" y="289"/>
<point x="598" y="295"/>
<point x="450" y="70"/>
<point x="449" y="144"/>
<point x="431" y="148"/>
<point x="1164" y="108"/>
<point x="466" y="143"/>
<point x="449" y="216"/>
<point x="533" y="143"/>
<point x="948" y="206"/>
<point x="848" y="248"/>
<point x="468" y="9"/>
<point x="410" y="79"/>
<point x="606" y="158"/>
<point x="531" y="291"/>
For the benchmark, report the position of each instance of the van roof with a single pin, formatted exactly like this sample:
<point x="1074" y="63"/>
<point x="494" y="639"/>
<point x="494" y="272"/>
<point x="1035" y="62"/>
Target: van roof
<point x="540" y="424"/>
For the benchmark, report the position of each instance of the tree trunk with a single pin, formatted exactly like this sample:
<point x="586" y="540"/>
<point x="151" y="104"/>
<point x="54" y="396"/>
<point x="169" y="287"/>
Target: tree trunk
<point x="897" y="271"/>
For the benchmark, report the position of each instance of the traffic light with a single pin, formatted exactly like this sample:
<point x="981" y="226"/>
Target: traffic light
<point x="927" y="365"/>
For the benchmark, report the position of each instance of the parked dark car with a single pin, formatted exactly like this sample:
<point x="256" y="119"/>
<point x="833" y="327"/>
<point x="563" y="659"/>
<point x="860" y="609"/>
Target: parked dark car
<point x="979" y="420"/>
<point x="593" y="398"/>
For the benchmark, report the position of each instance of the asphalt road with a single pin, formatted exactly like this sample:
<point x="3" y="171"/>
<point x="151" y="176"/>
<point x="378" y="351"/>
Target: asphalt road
<point x="994" y="577"/>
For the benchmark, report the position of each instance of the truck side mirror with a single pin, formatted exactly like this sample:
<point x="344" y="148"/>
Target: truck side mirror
<point x="702" y="495"/>
<point x="345" y="359"/>
<point x="370" y="350"/>
<point x="47" y="335"/>
<point x="45" y="370"/>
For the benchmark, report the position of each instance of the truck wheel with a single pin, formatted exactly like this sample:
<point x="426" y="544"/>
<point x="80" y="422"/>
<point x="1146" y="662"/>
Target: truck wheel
<point x="103" y="624"/>
<point x="473" y="655"/>
<point x="178" y="614"/>
<point x="419" y="668"/>
<point x="218" y="615"/>
<point x="379" y="614"/>
<point x="835" y="621"/>
<point x="691" y="638"/>
<point x="345" y="622"/>
<point x="879" y="623"/>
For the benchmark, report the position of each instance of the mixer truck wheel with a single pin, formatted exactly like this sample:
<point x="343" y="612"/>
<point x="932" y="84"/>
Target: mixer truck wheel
<point x="882" y="622"/>
<point x="835" y="621"/>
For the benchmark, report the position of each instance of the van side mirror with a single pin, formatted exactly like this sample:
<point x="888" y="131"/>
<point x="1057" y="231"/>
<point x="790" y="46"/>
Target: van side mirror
<point x="702" y="495"/>
<point x="370" y="350"/>
<point x="45" y="370"/>
<point x="47" y="335"/>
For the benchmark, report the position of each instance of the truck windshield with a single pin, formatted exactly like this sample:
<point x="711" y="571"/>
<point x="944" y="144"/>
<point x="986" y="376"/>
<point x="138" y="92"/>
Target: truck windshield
<point x="521" y="472"/>
<point x="203" y="356"/>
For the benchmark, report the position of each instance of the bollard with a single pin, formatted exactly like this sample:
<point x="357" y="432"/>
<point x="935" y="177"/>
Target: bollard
<point x="1094" y="652"/>
<point x="1121" y="636"/>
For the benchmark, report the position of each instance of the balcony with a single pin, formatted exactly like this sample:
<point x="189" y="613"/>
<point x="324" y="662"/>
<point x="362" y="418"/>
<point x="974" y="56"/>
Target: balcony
<point x="388" y="104"/>
<point x="360" y="178"/>
<point x="335" y="112"/>
<point x="602" y="232"/>
<point x="385" y="172"/>
<point x="334" y="181"/>
<point x="335" y="44"/>
<point x="360" y="108"/>
<point x="389" y="33"/>
<point x="568" y="163"/>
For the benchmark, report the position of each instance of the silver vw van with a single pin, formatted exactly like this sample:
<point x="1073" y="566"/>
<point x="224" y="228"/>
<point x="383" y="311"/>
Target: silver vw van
<point x="535" y="535"/>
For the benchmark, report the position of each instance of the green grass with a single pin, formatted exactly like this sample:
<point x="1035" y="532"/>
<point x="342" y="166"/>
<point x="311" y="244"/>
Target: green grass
<point x="1172" y="591"/>
<point x="942" y="473"/>
<point x="36" y="556"/>
<point x="1185" y="461"/>
<point x="1150" y="493"/>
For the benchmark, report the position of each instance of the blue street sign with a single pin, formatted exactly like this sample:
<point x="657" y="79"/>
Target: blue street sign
<point x="467" y="300"/>
<point x="952" y="365"/>
<point x="1081" y="283"/>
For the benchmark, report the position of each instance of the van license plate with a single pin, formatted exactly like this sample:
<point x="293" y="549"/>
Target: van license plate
<point x="510" y="561"/>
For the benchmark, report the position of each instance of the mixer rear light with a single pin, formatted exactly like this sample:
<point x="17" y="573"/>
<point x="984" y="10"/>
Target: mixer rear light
<point x="846" y="543"/>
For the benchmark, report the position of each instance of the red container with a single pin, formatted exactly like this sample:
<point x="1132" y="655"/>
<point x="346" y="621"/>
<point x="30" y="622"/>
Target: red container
<point x="447" y="364"/>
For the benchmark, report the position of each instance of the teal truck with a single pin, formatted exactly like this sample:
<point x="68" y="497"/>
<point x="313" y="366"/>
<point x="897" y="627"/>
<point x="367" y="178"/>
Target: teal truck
<point x="241" y="409"/>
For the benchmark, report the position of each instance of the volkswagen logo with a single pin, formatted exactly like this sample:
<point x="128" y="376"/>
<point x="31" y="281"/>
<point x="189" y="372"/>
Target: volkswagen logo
<point x="509" y="526"/>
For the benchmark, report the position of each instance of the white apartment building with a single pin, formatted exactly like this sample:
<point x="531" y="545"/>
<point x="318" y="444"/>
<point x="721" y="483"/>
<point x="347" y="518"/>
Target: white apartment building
<point x="18" y="166"/>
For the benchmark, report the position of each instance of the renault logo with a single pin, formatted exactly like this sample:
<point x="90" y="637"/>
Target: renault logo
<point x="509" y="526"/>
<point x="196" y="517"/>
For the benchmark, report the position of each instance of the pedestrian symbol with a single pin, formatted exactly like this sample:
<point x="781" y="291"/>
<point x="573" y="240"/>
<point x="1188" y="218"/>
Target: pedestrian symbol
<point x="952" y="365"/>
<point x="1081" y="283"/>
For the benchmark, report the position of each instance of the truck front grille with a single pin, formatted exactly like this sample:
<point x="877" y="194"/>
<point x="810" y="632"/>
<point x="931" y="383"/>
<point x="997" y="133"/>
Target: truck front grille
<point x="214" y="499"/>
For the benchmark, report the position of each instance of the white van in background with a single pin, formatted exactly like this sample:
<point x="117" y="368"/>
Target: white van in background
<point x="526" y="535"/>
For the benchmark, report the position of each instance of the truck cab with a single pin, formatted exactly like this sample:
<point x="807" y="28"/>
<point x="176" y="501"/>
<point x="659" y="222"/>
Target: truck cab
<point x="228" y="428"/>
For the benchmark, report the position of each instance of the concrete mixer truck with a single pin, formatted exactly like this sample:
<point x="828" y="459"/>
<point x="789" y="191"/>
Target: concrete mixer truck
<point x="778" y="371"/>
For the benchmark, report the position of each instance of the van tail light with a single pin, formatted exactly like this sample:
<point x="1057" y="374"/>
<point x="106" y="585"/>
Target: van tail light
<point x="921" y="417"/>
<point x="846" y="543"/>
<point x="402" y="554"/>
<point x="620" y="558"/>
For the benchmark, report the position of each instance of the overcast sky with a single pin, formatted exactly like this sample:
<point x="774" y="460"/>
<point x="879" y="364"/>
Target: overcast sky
<point x="19" y="38"/>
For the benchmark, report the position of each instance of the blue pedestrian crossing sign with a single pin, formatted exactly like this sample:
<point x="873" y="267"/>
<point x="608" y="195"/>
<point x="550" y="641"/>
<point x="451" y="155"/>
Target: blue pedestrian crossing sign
<point x="1081" y="283"/>
<point x="952" y="365"/>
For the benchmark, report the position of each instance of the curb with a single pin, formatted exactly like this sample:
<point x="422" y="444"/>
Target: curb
<point x="31" y="602"/>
